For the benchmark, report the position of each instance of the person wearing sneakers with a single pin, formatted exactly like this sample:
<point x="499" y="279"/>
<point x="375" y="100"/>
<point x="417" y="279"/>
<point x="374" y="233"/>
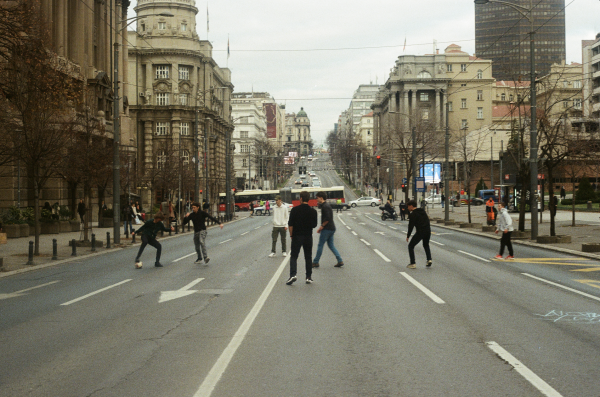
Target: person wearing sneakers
<point x="281" y="216"/>
<point x="504" y="225"/>
<point x="303" y="219"/>
<point x="198" y="217"/>
<point x="327" y="230"/>
<point x="417" y="218"/>
<point x="149" y="230"/>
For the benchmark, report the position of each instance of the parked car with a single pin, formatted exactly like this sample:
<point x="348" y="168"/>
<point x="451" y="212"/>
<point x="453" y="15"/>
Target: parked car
<point x="434" y="199"/>
<point x="304" y="184"/>
<point x="364" y="201"/>
<point x="477" y="201"/>
<point x="316" y="184"/>
<point x="298" y="182"/>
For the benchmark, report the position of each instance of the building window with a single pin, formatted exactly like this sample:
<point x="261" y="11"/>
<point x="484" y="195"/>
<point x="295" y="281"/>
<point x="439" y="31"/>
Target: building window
<point x="244" y="148"/>
<point x="143" y="27"/>
<point x="162" y="98"/>
<point x="463" y="67"/>
<point x="463" y="124"/>
<point x="184" y="27"/>
<point x="479" y="113"/>
<point x="424" y="97"/>
<point x="185" y="129"/>
<point x="449" y="106"/>
<point x="449" y="67"/>
<point x="162" y="128"/>
<point x="577" y="84"/>
<point x="425" y="114"/>
<point x="565" y="104"/>
<point x="479" y="74"/>
<point x="183" y="99"/>
<point x="243" y="134"/>
<point x="480" y="95"/>
<point x="184" y="73"/>
<point x="565" y="84"/>
<point x="185" y="157"/>
<point x="162" y="71"/>
<point x="503" y="97"/>
<point x="244" y="162"/>
<point x="162" y="26"/>
<point x="577" y="103"/>
<point x="161" y="159"/>
<point x="463" y="103"/>
<point x="511" y="97"/>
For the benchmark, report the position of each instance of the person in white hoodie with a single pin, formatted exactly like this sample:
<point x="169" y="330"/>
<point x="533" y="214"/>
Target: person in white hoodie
<point x="504" y="225"/>
<point x="281" y="217"/>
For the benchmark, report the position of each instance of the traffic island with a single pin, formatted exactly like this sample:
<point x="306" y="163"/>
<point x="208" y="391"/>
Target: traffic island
<point x="526" y="234"/>
<point x="488" y="228"/>
<point x="449" y="223"/>
<point x="563" y="239"/>
<point x="442" y="221"/>
<point x="590" y="247"/>
<point x="546" y="239"/>
<point x="467" y="225"/>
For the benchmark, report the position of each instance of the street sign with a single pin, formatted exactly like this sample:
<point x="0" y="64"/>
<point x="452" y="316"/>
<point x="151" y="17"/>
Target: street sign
<point x="404" y="181"/>
<point x="420" y="184"/>
<point x="506" y="177"/>
<point x="541" y="176"/>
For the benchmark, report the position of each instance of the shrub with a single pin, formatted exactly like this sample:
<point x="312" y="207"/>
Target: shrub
<point x="65" y="214"/>
<point x="585" y="191"/>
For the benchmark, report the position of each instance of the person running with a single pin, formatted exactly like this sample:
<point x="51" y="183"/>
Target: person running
<point x="149" y="230"/>
<point x="303" y="219"/>
<point x="418" y="219"/>
<point x="327" y="230"/>
<point x="281" y="216"/>
<point x="504" y="225"/>
<point x="198" y="218"/>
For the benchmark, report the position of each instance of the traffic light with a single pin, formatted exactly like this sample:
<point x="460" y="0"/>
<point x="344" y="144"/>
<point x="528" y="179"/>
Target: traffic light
<point x="378" y="161"/>
<point x="403" y="187"/>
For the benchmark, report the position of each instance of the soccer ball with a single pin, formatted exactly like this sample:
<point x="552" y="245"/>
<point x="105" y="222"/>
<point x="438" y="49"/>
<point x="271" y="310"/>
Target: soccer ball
<point x="138" y="265"/>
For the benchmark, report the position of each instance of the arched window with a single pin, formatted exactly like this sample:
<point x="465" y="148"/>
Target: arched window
<point x="503" y="97"/>
<point x="424" y="75"/>
<point x="161" y="159"/>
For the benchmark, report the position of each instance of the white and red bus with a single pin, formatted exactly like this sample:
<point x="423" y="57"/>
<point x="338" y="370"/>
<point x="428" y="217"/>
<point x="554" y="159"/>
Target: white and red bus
<point x="243" y="198"/>
<point x="333" y="194"/>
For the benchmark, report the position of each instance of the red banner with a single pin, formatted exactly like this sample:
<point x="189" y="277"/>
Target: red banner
<point x="271" y="114"/>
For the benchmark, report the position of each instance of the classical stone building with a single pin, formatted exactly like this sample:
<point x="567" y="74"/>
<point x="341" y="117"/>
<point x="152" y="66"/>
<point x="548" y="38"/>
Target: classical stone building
<point x="297" y="135"/>
<point x="82" y="34"/>
<point x="591" y="78"/>
<point x="178" y="94"/>
<point x="365" y="130"/>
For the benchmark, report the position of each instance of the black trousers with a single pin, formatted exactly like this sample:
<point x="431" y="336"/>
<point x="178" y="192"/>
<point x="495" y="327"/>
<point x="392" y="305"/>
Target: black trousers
<point x="149" y="241"/>
<point x="505" y="242"/>
<point x="306" y="243"/>
<point x="414" y="241"/>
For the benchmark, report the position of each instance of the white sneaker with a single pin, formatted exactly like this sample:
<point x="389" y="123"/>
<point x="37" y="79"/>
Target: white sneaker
<point x="284" y="253"/>
<point x="272" y="254"/>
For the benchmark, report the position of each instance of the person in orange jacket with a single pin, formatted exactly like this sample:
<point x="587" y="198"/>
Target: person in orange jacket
<point x="491" y="214"/>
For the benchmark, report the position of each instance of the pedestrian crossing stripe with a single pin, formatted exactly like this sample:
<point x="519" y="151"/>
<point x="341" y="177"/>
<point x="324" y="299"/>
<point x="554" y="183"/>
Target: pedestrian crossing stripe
<point x="558" y="261"/>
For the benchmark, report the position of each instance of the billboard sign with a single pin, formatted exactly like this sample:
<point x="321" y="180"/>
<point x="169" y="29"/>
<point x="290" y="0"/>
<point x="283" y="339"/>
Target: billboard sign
<point x="271" y="115"/>
<point x="433" y="172"/>
<point x="293" y="154"/>
<point x="288" y="160"/>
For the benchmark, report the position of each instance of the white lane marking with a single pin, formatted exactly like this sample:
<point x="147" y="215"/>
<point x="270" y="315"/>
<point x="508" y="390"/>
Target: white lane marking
<point x="180" y="293"/>
<point x="213" y="377"/>
<point x="385" y="258"/>
<point x="340" y="218"/>
<point x="525" y="372"/>
<point x="348" y="227"/>
<point x="361" y="223"/>
<point x="353" y="232"/>
<point x="420" y="286"/>
<point x="258" y="227"/>
<point x="95" y="292"/>
<point x="382" y="233"/>
<point x="562" y="286"/>
<point x="392" y="227"/>
<point x="21" y="292"/>
<point x="244" y="233"/>
<point x="183" y="257"/>
<point x="364" y="241"/>
<point x="474" y="256"/>
<point x="225" y="241"/>
<point x="435" y="242"/>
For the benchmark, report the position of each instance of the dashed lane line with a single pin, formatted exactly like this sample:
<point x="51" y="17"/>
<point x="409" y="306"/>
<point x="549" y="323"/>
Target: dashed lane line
<point x="94" y="293"/>
<point x="353" y="232"/>
<point x="562" y="286"/>
<point x="474" y="256"/>
<point x="364" y="241"/>
<point x="244" y="233"/>
<point x="423" y="289"/>
<point x="225" y="241"/>
<point x="435" y="242"/>
<point x="183" y="257"/>
<point x="385" y="258"/>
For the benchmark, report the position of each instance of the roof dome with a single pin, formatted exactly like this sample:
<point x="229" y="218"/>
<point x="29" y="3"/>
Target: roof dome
<point x="302" y="113"/>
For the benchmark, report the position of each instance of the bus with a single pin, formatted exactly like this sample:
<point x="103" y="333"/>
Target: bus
<point x="333" y="194"/>
<point x="243" y="198"/>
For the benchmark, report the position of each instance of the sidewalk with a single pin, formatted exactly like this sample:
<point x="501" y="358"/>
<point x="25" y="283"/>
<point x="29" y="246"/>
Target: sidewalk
<point x="586" y="229"/>
<point x="15" y="253"/>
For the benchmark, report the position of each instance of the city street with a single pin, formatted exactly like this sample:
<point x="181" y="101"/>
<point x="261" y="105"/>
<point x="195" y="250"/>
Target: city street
<point x="468" y="326"/>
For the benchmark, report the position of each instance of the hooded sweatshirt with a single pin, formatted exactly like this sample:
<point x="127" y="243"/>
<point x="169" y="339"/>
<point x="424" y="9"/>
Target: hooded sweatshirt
<point x="418" y="219"/>
<point x="504" y="221"/>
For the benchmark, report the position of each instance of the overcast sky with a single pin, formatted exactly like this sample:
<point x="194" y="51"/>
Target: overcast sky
<point x="315" y="53"/>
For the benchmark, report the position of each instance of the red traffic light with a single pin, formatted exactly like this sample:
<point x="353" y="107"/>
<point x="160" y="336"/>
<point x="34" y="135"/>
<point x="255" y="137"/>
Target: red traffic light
<point x="378" y="157"/>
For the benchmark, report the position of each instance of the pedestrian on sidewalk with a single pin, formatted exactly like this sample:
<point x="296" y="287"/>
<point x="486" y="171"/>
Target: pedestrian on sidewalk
<point x="267" y="207"/>
<point x="281" y="216"/>
<point x="303" y="219"/>
<point x="418" y="219"/>
<point x="198" y="218"/>
<point x="490" y="212"/>
<point x="504" y="225"/>
<point x="251" y="208"/>
<point x="128" y="219"/>
<point x="402" y="207"/>
<point x="327" y="230"/>
<point x="149" y="230"/>
<point x="443" y="200"/>
<point x="80" y="209"/>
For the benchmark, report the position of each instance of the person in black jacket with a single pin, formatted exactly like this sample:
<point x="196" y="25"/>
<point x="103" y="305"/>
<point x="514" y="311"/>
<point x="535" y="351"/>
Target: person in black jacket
<point x="418" y="219"/>
<point x="198" y="218"/>
<point x="149" y="230"/>
<point x="303" y="219"/>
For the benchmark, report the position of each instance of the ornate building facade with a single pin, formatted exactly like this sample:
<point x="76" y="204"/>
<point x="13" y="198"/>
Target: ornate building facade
<point x="297" y="135"/>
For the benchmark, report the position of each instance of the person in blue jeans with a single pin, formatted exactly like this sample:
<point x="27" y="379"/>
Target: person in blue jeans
<point x="327" y="230"/>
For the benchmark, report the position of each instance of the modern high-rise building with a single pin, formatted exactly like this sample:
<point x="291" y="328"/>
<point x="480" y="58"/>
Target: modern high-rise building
<point x="502" y="35"/>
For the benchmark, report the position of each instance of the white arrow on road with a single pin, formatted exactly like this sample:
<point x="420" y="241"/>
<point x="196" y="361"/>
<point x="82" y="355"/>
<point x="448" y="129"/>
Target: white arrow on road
<point x="180" y="293"/>
<point x="22" y="292"/>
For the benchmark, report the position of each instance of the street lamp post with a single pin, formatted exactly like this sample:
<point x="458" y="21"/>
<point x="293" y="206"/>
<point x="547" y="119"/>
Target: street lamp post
<point x="533" y="149"/>
<point x="117" y="130"/>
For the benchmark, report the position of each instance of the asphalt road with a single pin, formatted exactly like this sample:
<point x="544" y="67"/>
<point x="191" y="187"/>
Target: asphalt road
<point x="469" y="326"/>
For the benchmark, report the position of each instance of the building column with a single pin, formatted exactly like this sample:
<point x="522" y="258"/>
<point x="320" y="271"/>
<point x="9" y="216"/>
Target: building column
<point x="60" y="28"/>
<point x="444" y="109"/>
<point x="148" y="149"/>
<point x="413" y="104"/>
<point x="437" y="113"/>
<point x="406" y="111"/>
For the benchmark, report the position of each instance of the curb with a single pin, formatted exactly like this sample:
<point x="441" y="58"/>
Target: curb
<point x="87" y="256"/>
<point x="528" y="243"/>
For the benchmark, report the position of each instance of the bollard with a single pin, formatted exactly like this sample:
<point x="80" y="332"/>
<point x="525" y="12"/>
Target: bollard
<point x="93" y="242"/>
<point x="74" y="245"/>
<point x="176" y="228"/>
<point x="30" y="259"/>
<point x="133" y="238"/>
<point x="107" y="239"/>
<point x="54" y="250"/>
